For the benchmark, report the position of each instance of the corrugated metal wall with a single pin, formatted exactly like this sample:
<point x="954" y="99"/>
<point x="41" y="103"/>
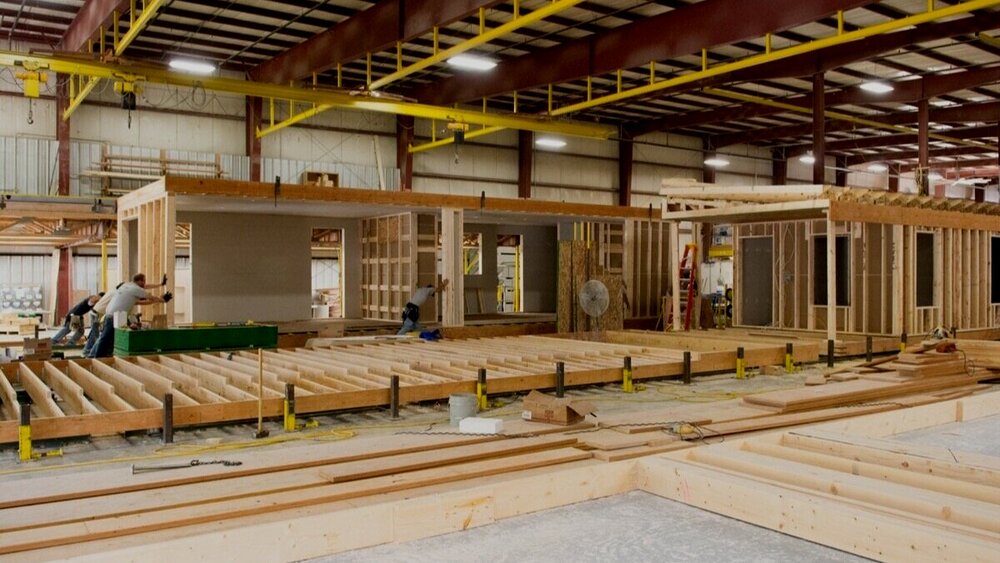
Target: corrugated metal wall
<point x="87" y="271"/>
<point x="28" y="165"/>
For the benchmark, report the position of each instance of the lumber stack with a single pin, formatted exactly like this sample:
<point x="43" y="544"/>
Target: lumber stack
<point x="49" y="513"/>
<point x="851" y="486"/>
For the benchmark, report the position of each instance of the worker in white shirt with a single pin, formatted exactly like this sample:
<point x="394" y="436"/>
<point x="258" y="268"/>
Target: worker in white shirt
<point x="126" y="296"/>
<point x="411" y="313"/>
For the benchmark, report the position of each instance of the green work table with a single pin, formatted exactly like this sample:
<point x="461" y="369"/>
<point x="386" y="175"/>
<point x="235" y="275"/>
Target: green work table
<point x="194" y="339"/>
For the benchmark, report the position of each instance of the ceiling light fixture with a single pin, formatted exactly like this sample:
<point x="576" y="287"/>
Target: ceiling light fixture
<point x="876" y="87"/>
<point x="716" y="162"/>
<point x="550" y="143"/>
<point x="807" y="159"/>
<point x="878" y="168"/>
<point x="466" y="61"/>
<point x="192" y="66"/>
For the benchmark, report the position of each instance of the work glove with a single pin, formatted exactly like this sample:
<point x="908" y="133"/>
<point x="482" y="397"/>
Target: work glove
<point x="167" y="297"/>
<point x="164" y="279"/>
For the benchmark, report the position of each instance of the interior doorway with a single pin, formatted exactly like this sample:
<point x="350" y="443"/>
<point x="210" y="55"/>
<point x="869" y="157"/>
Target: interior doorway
<point x="510" y="269"/>
<point x="327" y="273"/>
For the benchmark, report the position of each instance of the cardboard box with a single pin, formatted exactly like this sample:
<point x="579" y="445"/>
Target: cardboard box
<point x="539" y="407"/>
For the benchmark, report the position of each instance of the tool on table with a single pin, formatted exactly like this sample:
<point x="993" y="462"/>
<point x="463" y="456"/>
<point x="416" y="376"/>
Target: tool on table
<point x="193" y="463"/>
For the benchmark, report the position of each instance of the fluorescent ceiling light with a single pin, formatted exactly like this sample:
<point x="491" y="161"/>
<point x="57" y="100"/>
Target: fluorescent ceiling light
<point x="876" y="87"/>
<point x="550" y="143"/>
<point x="940" y="126"/>
<point x="942" y="103"/>
<point x="807" y="159"/>
<point x="195" y="67"/>
<point x="877" y="168"/>
<point x="716" y="162"/>
<point x="472" y="62"/>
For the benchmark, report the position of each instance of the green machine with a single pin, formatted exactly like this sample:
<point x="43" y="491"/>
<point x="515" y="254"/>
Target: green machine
<point x="194" y="339"/>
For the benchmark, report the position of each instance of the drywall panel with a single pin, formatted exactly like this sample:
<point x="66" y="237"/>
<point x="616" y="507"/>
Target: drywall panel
<point x="249" y="267"/>
<point x="756" y="263"/>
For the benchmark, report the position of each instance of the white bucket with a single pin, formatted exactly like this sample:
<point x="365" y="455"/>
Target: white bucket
<point x="462" y="405"/>
<point x="120" y="319"/>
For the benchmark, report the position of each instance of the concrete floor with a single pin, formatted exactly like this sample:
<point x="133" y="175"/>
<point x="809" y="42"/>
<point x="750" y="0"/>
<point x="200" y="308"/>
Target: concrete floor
<point x="975" y="436"/>
<point x="633" y="527"/>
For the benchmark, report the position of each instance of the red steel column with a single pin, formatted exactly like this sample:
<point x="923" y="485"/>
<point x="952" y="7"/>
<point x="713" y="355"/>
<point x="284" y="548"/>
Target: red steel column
<point x="254" y="109"/>
<point x="404" y="158"/>
<point x="923" y="146"/>
<point x="819" y="129"/>
<point x="64" y="284"/>
<point x="626" y="158"/>
<point x="525" y="161"/>
<point x="779" y="168"/>
<point x="62" y="132"/>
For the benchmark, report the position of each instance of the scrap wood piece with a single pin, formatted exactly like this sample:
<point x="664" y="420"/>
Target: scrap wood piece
<point x="641" y="451"/>
<point x="854" y="391"/>
<point x="816" y="379"/>
<point x="254" y="506"/>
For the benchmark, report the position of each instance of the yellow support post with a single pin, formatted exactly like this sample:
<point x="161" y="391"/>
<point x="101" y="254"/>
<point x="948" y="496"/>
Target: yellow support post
<point x="482" y="21"/>
<point x="704" y="59"/>
<point x="368" y="69"/>
<point x="24" y="434"/>
<point x="399" y="55"/>
<point x="590" y="88"/>
<point x="271" y="105"/>
<point x="840" y="22"/>
<point x="340" y="75"/>
<point x="435" y="35"/>
<point x="517" y="278"/>
<point x="550" y="97"/>
<point x="652" y="73"/>
<point x="114" y="34"/>
<point x="627" y="385"/>
<point x="767" y="43"/>
<point x="515" y="101"/>
<point x="618" y="79"/>
<point x="740" y="364"/>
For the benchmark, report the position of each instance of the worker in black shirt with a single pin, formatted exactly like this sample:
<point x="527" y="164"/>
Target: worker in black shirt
<point x="74" y="320"/>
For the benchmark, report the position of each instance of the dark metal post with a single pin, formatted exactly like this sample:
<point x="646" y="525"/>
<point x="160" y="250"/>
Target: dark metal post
<point x="829" y="353"/>
<point x="560" y="379"/>
<point x="868" y="348"/>
<point x="740" y="367"/>
<point x="789" y="357"/>
<point x="687" y="367"/>
<point x="168" y="418"/>
<point x="394" y="396"/>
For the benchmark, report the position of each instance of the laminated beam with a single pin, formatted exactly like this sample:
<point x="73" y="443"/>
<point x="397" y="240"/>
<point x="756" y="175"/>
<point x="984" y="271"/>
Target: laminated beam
<point x="656" y="38"/>
<point x="906" y="155"/>
<point x="371" y="30"/>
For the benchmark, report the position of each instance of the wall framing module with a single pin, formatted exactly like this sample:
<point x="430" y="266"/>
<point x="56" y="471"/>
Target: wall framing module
<point x="154" y="215"/>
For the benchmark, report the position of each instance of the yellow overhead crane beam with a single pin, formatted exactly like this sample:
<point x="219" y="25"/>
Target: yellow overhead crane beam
<point x="485" y="36"/>
<point x="136" y="25"/>
<point x="768" y="56"/>
<point x="137" y="73"/>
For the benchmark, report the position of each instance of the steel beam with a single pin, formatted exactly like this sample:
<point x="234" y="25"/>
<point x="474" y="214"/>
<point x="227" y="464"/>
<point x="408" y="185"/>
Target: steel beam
<point x="92" y="15"/>
<point x="149" y="10"/>
<point x="440" y="56"/>
<point x="829" y="114"/>
<point x="955" y="164"/>
<point x="878" y="141"/>
<point x="727" y="69"/>
<point x="915" y="154"/>
<point x="986" y="111"/>
<point x="907" y="91"/>
<point x="371" y="30"/>
<point x="151" y="74"/>
<point x="656" y="38"/>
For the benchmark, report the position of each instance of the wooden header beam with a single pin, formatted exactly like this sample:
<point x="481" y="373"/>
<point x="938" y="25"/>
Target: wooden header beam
<point x="292" y="192"/>
<point x="898" y="215"/>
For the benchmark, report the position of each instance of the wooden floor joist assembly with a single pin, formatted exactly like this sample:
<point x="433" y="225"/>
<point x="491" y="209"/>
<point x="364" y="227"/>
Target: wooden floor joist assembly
<point x="99" y="397"/>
